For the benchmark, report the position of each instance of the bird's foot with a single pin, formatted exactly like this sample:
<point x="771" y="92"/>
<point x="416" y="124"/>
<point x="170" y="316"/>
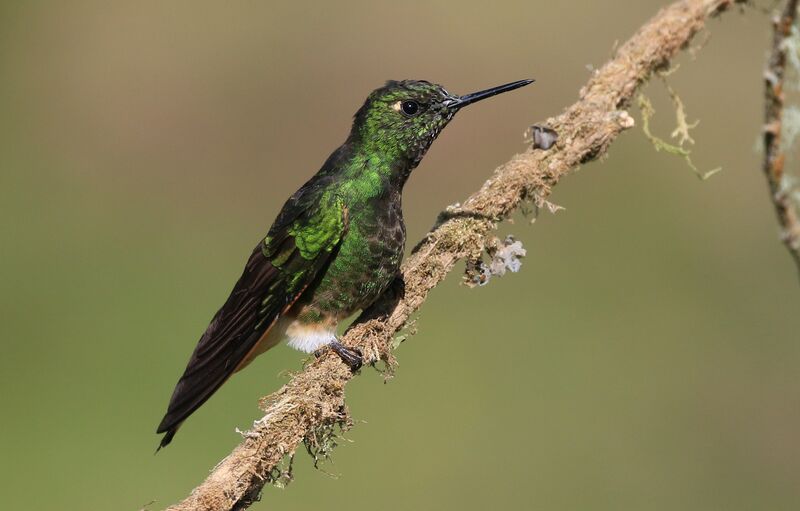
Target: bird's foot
<point x="350" y="356"/>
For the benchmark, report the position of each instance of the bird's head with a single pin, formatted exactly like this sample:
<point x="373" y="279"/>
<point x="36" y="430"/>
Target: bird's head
<point x="403" y="118"/>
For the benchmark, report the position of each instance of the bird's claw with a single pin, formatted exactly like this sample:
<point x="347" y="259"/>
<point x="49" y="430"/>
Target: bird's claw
<point x="350" y="356"/>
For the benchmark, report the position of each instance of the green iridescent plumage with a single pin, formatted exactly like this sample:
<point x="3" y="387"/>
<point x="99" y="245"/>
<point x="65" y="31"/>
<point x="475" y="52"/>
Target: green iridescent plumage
<point x="334" y="248"/>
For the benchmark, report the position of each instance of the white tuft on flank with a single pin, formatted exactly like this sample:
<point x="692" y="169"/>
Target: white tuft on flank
<point x="308" y="340"/>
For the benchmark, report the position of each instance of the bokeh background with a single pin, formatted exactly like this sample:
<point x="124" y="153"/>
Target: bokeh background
<point x="646" y="357"/>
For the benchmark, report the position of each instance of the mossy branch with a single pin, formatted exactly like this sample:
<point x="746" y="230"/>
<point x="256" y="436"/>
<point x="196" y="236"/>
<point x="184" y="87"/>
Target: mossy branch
<point x="780" y="186"/>
<point x="311" y="405"/>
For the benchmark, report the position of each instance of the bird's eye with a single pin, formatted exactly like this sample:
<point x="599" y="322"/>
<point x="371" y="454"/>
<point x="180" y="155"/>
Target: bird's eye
<point x="409" y="107"/>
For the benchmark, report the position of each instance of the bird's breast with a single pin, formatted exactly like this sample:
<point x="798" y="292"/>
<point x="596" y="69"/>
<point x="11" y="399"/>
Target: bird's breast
<point x="367" y="261"/>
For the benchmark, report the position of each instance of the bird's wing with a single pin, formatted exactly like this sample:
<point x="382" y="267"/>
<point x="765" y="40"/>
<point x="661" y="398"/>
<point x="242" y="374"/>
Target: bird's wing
<point x="303" y="240"/>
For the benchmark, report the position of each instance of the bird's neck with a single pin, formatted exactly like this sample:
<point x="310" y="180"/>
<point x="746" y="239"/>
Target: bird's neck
<point x="372" y="169"/>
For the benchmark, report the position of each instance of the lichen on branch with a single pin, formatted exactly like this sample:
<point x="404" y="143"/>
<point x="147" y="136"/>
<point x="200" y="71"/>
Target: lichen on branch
<point x="776" y="127"/>
<point x="681" y="132"/>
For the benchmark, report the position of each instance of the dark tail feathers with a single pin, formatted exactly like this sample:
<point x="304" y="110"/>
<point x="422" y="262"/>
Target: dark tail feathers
<point x="166" y="439"/>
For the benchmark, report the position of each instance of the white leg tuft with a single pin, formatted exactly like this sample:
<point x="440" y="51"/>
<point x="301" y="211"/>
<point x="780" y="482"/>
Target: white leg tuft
<point x="309" y="340"/>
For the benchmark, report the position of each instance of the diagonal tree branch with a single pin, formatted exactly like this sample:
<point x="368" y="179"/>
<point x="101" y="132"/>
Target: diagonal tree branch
<point x="774" y="157"/>
<point x="312" y="403"/>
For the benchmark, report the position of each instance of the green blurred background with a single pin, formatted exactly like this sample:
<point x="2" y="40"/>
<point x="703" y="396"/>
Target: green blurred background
<point x="646" y="357"/>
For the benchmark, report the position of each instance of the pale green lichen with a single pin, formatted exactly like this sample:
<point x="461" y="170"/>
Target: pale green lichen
<point x="790" y="187"/>
<point x="681" y="132"/>
<point x="397" y="340"/>
<point x="282" y="474"/>
<point x="504" y="256"/>
<point x="791" y="45"/>
<point x="321" y="442"/>
<point x="791" y="127"/>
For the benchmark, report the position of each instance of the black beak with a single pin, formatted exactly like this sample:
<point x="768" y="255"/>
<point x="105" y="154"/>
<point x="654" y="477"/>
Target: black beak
<point x="457" y="102"/>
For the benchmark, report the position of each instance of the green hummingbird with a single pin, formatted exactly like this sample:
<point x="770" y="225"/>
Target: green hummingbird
<point x="335" y="246"/>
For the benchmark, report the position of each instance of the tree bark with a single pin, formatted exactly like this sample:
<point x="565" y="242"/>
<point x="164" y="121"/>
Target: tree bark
<point x="774" y="157"/>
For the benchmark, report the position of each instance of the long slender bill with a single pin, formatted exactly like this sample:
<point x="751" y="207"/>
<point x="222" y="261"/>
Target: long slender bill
<point x="462" y="101"/>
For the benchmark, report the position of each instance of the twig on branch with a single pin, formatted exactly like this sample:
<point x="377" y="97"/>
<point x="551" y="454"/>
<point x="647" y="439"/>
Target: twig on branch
<point x="774" y="157"/>
<point x="312" y="403"/>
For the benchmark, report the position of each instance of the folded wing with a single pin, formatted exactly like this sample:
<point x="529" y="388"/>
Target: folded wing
<point x="300" y="244"/>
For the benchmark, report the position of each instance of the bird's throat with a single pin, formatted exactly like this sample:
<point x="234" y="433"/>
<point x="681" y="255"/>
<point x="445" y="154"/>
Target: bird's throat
<point x="370" y="172"/>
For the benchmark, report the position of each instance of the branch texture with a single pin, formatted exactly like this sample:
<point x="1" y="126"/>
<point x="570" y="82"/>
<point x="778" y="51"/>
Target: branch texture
<point x="312" y="403"/>
<point x="774" y="157"/>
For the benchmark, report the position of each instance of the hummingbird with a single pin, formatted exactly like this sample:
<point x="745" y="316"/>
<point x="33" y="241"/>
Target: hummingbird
<point x="334" y="248"/>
